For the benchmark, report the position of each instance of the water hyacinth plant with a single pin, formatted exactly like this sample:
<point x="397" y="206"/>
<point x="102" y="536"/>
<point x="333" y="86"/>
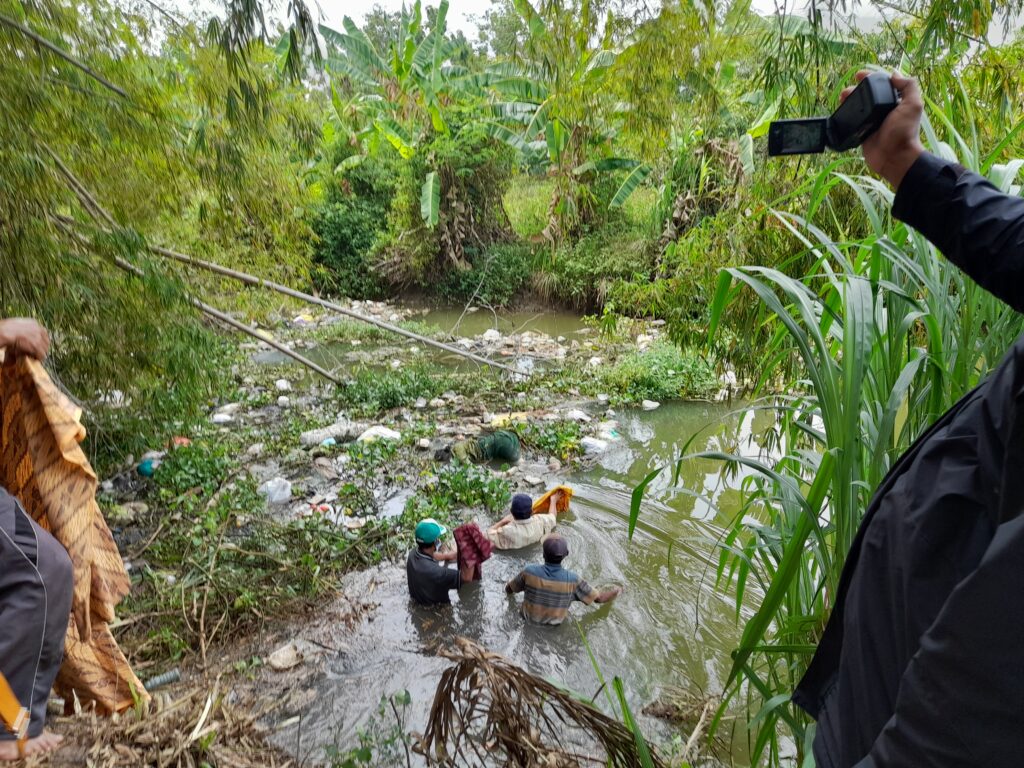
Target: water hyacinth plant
<point x="886" y="335"/>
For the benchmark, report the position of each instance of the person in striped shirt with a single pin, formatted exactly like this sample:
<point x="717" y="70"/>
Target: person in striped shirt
<point x="550" y="589"/>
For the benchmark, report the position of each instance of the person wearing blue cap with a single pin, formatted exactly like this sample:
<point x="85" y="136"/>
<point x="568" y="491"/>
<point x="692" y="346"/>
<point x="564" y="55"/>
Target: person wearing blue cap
<point x="430" y="579"/>
<point x="522" y="527"/>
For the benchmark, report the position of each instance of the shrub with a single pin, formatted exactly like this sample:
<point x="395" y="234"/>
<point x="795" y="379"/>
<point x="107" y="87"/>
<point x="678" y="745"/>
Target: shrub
<point x="474" y="172"/>
<point x="350" y="222"/>
<point x="560" y="438"/>
<point x="456" y="486"/>
<point x="663" y="372"/>
<point x="495" y="278"/>
<point x="347" y="230"/>
<point x="582" y="274"/>
<point x="200" y="465"/>
<point x="373" y="392"/>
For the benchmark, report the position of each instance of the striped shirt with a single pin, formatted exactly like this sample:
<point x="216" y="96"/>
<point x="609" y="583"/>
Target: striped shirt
<point x="522" y="533"/>
<point x="550" y="590"/>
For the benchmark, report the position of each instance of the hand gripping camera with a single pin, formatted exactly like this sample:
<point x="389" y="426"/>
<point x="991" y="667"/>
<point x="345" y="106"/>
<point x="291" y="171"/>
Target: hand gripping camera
<point x="856" y="118"/>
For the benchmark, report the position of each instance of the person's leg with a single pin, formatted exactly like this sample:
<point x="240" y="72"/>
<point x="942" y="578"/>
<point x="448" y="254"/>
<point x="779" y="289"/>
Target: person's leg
<point x="54" y="566"/>
<point x="35" y="603"/>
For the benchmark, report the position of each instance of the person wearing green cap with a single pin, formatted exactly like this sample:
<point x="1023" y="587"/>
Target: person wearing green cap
<point x="430" y="579"/>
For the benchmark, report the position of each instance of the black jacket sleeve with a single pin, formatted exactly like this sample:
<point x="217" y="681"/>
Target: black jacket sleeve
<point x="976" y="226"/>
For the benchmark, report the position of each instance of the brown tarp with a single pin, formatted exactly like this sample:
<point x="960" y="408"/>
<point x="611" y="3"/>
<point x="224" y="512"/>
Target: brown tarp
<point x="43" y="465"/>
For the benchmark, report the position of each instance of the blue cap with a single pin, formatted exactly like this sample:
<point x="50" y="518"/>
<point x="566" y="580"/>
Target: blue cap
<point x="522" y="506"/>
<point x="429" y="531"/>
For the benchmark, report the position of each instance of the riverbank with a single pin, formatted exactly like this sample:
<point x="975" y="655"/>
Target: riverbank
<point x="225" y="572"/>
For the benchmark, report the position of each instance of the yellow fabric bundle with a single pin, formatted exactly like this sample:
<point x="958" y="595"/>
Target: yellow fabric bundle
<point x="541" y="504"/>
<point x="43" y="465"/>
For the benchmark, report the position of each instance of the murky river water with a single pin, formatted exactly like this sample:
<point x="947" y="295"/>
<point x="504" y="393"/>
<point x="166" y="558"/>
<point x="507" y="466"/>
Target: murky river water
<point x="670" y="628"/>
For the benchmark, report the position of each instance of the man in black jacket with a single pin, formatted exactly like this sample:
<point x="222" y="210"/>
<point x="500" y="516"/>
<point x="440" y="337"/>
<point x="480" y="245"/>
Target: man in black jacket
<point x="922" y="661"/>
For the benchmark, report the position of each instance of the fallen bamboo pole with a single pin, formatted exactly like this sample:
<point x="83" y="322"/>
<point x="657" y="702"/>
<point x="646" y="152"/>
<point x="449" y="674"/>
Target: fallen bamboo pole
<point x="42" y="41"/>
<point x="226" y="319"/>
<point x="97" y="211"/>
<point x="309" y="298"/>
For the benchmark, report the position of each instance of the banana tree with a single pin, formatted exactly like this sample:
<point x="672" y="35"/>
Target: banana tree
<point x="396" y="97"/>
<point x="554" y="105"/>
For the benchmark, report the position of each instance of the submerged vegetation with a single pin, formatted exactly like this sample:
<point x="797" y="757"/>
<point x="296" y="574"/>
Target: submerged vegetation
<point x="598" y="156"/>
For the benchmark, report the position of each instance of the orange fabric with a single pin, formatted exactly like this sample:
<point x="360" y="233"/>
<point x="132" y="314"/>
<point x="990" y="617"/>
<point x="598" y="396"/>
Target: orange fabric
<point x="541" y="504"/>
<point x="14" y="716"/>
<point x="43" y="465"/>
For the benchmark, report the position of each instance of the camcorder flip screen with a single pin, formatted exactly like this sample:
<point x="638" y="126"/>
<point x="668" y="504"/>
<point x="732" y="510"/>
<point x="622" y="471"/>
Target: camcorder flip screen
<point x="797" y="137"/>
<point x="860" y="115"/>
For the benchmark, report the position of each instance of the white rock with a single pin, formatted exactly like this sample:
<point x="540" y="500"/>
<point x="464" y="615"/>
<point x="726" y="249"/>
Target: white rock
<point x="554" y="465"/>
<point x="356" y="343"/>
<point x="594" y="362"/>
<point x="593" y="445"/>
<point x="222" y="418"/>
<point x="437" y="402"/>
<point x="284" y="401"/>
<point x="465" y="343"/>
<point x="533" y="480"/>
<point x="603" y="399"/>
<point x="423" y="444"/>
<point x="374" y="434"/>
<point x="577" y="414"/>
<point x="420" y="403"/>
<point x="396" y="364"/>
<point x="560" y="339"/>
<point x="277" y="491"/>
<point x="491" y="334"/>
<point x="285" y="657"/>
<point x="283" y="385"/>
<point x="230" y="409"/>
<point x="254" y="450"/>
<point x="650" y="405"/>
<point x="394" y="317"/>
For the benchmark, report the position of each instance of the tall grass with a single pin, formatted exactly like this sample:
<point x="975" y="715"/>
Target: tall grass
<point x="887" y="335"/>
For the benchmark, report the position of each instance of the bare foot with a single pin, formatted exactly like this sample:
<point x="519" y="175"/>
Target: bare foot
<point x="45" y="742"/>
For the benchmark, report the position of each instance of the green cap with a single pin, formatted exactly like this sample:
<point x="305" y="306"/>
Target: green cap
<point x="429" y="531"/>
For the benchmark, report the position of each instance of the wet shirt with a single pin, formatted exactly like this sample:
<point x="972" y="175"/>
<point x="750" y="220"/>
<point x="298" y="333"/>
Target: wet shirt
<point x="550" y="590"/>
<point x="429" y="580"/>
<point x="522" y="533"/>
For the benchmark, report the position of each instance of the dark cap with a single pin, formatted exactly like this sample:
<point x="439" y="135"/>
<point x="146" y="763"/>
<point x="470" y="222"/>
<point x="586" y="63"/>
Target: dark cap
<point x="555" y="548"/>
<point x="522" y="506"/>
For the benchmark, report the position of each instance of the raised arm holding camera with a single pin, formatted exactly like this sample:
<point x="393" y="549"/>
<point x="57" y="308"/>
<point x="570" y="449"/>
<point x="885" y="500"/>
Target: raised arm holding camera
<point x="920" y="663"/>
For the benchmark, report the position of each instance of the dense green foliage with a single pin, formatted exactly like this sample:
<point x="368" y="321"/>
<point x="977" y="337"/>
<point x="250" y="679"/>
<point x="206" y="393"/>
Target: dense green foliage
<point x="599" y="155"/>
<point x="661" y="373"/>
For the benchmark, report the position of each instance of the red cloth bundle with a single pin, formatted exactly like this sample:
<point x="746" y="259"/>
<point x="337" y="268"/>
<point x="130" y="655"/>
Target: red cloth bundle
<point x="474" y="547"/>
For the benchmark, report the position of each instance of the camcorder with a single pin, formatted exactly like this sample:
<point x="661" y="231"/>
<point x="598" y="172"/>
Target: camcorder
<point x="856" y="118"/>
